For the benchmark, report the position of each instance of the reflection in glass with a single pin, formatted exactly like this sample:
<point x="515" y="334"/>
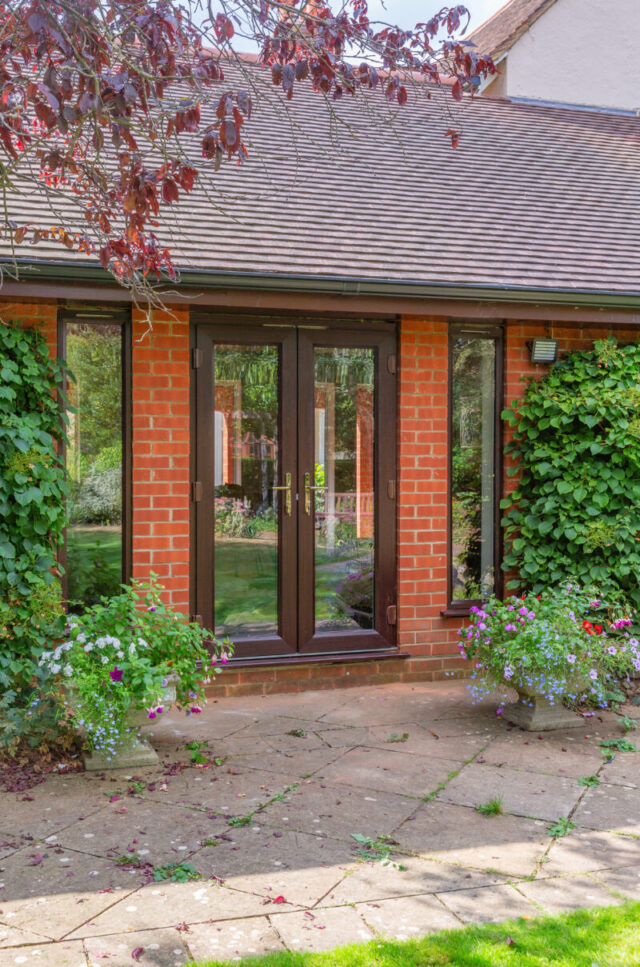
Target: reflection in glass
<point x="473" y="466"/>
<point x="94" y="462"/>
<point x="246" y="506"/>
<point x="344" y="482"/>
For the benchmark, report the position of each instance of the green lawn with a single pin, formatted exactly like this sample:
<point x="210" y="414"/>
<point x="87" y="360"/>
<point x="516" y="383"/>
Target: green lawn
<point x="94" y="562"/>
<point x="608" y="937"/>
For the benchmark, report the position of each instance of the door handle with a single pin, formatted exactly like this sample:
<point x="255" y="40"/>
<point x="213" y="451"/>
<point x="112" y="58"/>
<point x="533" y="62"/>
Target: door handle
<point x="287" y="494"/>
<point x="307" y="492"/>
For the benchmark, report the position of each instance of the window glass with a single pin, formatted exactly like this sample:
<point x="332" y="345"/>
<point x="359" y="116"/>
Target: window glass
<point x="473" y="427"/>
<point x="94" y="461"/>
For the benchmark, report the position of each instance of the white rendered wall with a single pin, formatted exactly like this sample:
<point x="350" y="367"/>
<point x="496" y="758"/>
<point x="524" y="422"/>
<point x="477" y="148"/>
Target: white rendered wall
<point x="580" y="52"/>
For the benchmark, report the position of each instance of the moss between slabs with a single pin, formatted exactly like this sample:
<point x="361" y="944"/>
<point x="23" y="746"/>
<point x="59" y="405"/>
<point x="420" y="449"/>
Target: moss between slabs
<point x="607" y="937"/>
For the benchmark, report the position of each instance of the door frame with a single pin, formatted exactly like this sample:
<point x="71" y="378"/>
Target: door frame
<point x="296" y="335"/>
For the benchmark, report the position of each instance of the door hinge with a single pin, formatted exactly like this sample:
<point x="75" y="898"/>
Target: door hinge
<point x="196" y="490"/>
<point x="196" y="358"/>
<point x="391" y="489"/>
<point x="392" y="364"/>
<point x="392" y="614"/>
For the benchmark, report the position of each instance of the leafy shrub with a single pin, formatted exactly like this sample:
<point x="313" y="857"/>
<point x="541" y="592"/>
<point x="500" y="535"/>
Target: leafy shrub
<point x="576" y="511"/>
<point x="32" y="517"/>
<point x="98" y="498"/>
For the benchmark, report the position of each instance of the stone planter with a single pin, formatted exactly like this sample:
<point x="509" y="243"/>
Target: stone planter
<point x="535" y="713"/>
<point x="133" y="751"/>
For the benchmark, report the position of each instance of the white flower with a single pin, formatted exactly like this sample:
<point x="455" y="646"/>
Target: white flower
<point x="142" y="643"/>
<point x="68" y="670"/>
<point x="81" y="638"/>
<point x="88" y="647"/>
<point x="132" y="648"/>
<point x="57" y="653"/>
<point x="101" y="642"/>
<point x="120" y="654"/>
<point x="67" y="646"/>
<point x="55" y="669"/>
<point x="104" y="659"/>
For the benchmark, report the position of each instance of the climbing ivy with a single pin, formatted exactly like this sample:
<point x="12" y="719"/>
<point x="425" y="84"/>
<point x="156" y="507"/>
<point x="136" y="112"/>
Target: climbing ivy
<point x="32" y="517"/>
<point x="576" y="445"/>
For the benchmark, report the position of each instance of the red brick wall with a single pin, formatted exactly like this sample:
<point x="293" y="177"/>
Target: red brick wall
<point x="42" y="313"/>
<point x="161" y="433"/>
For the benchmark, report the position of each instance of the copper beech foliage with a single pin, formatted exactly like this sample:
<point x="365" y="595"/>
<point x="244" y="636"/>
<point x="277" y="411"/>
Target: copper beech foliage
<point x="103" y="100"/>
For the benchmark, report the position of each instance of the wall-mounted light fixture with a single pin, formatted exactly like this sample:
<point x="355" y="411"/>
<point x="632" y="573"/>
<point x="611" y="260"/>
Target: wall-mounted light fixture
<point x="544" y="350"/>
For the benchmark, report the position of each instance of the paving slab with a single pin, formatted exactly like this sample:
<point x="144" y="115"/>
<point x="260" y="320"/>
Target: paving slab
<point x="610" y="807"/>
<point x="65" y="954"/>
<point x="273" y="863"/>
<point x="456" y="834"/>
<point x="369" y="881"/>
<point x="51" y="806"/>
<point x="623" y="771"/>
<point x="153" y="948"/>
<point x="583" y="851"/>
<point x="14" y="937"/>
<point x="229" y="789"/>
<point x="233" y="939"/>
<point x="558" y="754"/>
<point x="490" y="904"/>
<point x="337" y="810"/>
<point x="321" y="929"/>
<point x="294" y="764"/>
<point x="56" y="890"/>
<point x="562" y="894"/>
<point x="402" y="919"/>
<point x="157" y="832"/>
<point x="428" y="740"/>
<point x="171" y="904"/>
<point x="522" y="793"/>
<point x="391" y="771"/>
<point x="624" y="880"/>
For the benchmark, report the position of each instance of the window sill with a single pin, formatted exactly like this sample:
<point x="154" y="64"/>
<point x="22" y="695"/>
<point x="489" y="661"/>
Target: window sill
<point x="462" y="612"/>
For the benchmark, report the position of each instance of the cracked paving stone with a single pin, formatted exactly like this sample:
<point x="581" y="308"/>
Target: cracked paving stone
<point x="233" y="939"/>
<point x="391" y="771"/>
<point x="562" y="894"/>
<point x="157" y="832"/>
<point x="610" y="807"/>
<point x="375" y="881"/>
<point x="428" y="740"/>
<point x="230" y="789"/>
<point x="52" y="806"/>
<point x="67" y="953"/>
<point x="522" y="793"/>
<point x="403" y="919"/>
<point x="160" y="948"/>
<point x="14" y="937"/>
<point x="585" y="850"/>
<point x="272" y="863"/>
<point x="294" y="764"/>
<point x="281" y="726"/>
<point x="625" y="880"/>
<point x="61" y="891"/>
<point x="321" y="929"/>
<point x="457" y="834"/>
<point x="491" y="904"/>
<point x="167" y="904"/>
<point x="338" y="811"/>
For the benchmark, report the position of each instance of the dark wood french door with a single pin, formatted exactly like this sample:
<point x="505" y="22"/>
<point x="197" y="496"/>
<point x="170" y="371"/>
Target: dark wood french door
<point x="294" y="496"/>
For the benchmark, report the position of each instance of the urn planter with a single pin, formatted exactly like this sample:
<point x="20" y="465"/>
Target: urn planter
<point x="535" y="713"/>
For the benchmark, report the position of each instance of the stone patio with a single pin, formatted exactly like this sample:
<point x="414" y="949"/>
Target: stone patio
<point x="313" y="768"/>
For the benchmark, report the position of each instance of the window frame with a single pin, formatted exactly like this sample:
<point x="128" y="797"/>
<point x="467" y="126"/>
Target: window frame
<point x="122" y="317"/>
<point x="495" y="332"/>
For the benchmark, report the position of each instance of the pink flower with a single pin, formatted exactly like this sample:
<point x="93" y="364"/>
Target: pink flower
<point x="159" y="710"/>
<point x="151" y="714"/>
<point x="116" y="674"/>
<point x="196" y="709"/>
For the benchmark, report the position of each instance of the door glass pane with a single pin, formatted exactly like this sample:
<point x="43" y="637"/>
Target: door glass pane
<point x="246" y="506"/>
<point x="473" y="471"/>
<point x="344" y="494"/>
<point x="94" y="462"/>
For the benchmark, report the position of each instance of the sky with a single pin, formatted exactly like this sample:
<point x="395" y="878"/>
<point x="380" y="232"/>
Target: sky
<point x="406" y="12"/>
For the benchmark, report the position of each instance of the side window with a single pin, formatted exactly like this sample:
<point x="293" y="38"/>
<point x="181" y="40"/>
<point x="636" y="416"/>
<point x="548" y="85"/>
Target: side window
<point x="97" y="457"/>
<point x="475" y="360"/>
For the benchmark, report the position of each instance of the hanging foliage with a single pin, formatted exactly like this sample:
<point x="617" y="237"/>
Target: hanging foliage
<point x="576" y="444"/>
<point x="32" y="517"/>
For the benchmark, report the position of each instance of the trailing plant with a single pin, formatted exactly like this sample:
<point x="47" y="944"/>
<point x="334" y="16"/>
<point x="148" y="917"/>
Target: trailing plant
<point x="562" y="644"/>
<point x="32" y="517"/>
<point x="575" y="514"/>
<point x="121" y="654"/>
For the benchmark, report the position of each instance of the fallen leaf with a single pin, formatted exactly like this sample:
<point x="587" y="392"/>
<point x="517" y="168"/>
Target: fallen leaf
<point x="137" y="953"/>
<point x="279" y="899"/>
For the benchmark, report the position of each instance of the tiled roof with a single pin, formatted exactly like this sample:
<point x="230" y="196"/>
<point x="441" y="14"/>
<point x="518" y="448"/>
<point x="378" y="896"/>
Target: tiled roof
<point x="499" y="33"/>
<point x="534" y="197"/>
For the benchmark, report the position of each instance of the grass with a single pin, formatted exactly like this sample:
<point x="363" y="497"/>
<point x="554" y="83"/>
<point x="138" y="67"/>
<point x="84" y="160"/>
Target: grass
<point x="493" y="807"/>
<point x="606" y="937"/>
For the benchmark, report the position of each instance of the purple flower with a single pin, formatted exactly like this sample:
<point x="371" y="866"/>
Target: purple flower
<point x="531" y="615"/>
<point x="151" y="609"/>
<point x="611" y="649"/>
<point x="116" y="674"/>
<point x="523" y="611"/>
<point x="196" y="709"/>
<point x="482" y="626"/>
<point x="159" y="710"/>
<point x="510" y="628"/>
<point x="593" y="674"/>
<point x="571" y="659"/>
<point x="151" y="714"/>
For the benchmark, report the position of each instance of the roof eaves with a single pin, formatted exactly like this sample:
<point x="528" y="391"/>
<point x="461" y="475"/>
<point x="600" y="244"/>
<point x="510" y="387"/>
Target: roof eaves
<point x="53" y="271"/>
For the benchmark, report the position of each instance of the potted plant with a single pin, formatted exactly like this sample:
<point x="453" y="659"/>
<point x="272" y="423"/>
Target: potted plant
<point x="125" y="661"/>
<point x="563" y="645"/>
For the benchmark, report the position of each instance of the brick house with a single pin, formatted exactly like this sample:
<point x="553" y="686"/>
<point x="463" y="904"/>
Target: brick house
<point x="306" y="448"/>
